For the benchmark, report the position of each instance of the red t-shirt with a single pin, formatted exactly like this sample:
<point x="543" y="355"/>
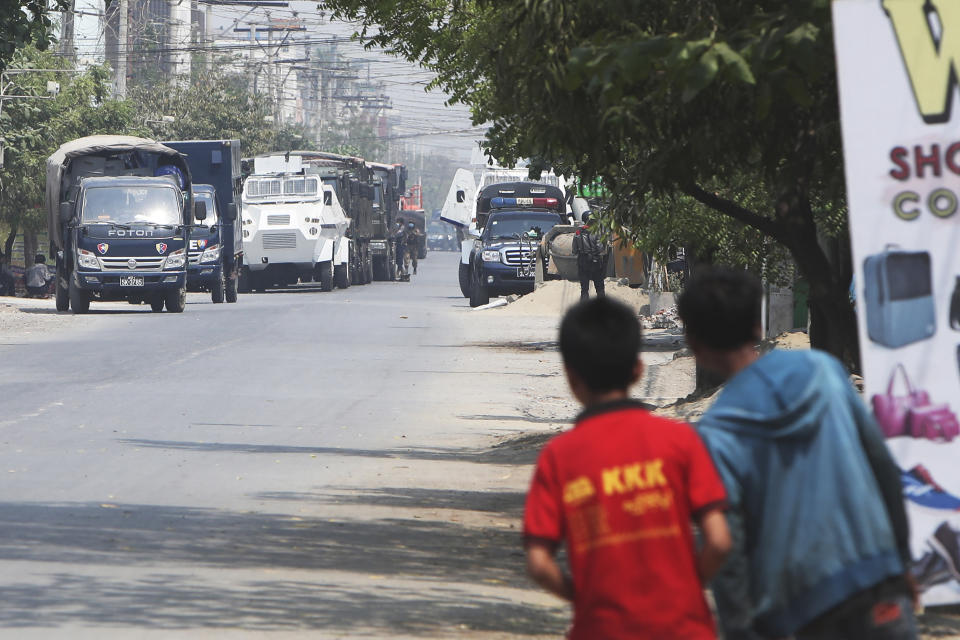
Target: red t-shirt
<point x="619" y="490"/>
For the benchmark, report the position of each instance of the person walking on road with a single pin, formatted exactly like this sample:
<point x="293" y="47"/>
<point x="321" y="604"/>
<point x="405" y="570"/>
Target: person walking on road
<point x="37" y="277"/>
<point x="619" y="491"/>
<point x="591" y="259"/>
<point x="821" y="539"/>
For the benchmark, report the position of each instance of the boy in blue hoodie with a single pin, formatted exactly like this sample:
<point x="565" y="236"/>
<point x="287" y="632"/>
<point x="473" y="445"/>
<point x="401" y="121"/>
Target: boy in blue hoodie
<point x="821" y="540"/>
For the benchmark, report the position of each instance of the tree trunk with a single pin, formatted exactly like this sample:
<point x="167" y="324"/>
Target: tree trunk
<point x="29" y="248"/>
<point x="8" y="243"/>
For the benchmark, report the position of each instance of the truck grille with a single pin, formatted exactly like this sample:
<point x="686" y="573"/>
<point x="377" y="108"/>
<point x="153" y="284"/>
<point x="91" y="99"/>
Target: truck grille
<point x="195" y="257"/>
<point x="517" y="257"/>
<point x="277" y="220"/>
<point x="144" y="263"/>
<point x="280" y="240"/>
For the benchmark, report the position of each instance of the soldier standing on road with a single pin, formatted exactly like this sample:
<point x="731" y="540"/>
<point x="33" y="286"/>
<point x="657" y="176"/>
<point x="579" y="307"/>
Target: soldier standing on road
<point x="400" y="247"/>
<point x="591" y="259"/>
<point x="413" y="245"/>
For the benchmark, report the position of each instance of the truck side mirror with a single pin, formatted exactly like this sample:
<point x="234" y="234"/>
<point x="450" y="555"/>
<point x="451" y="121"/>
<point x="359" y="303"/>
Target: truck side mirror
<point x="66" y="211"/>
<point x="200" y="210"/>
<point x="461" y="196"/>
<point x="231" y="213"/>
<point x="328" y="198"/>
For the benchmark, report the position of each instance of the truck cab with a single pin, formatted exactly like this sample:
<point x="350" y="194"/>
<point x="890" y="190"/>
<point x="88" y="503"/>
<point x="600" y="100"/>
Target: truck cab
<point x="120" y="210"/>
<point x="505" y="254"/>
<point x="216" y="244"/>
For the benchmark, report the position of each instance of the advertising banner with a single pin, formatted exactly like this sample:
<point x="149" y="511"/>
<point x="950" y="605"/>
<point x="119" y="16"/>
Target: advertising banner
<point x="898" y="64"/>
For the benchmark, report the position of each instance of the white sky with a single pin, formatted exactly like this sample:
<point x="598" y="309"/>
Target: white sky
<point x="415" y="113"/>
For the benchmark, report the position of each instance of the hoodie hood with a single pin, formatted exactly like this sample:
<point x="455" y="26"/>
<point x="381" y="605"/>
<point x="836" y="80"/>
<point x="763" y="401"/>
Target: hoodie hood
<point x="778" y="396"/>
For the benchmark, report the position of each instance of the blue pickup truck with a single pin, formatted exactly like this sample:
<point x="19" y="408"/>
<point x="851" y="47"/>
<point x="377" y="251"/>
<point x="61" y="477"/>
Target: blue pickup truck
<point x="513" y="217"/>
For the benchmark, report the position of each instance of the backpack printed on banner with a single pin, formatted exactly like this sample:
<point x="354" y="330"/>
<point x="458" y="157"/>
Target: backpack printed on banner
<point x="898" y="291"/>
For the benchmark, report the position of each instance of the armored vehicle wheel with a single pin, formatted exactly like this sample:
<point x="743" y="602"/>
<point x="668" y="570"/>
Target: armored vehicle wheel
<point x="421" y="253"/>
<point x="63" y="293"/>
<point x="464" y="274"/>
<point x="176" y="300"/>
<point x="232" y="285"/>
<point x="219" y="290"/>
<point x="341" y="275"/>
<point x="156" y="304"/>
<point x="324" y="275"/>
<point x="79" y="299"/>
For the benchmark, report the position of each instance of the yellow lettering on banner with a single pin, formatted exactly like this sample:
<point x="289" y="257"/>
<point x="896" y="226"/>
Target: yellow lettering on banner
<point x="578" y="490"/>
<point x="931" y="64"/>
<point x="611" y="481"/>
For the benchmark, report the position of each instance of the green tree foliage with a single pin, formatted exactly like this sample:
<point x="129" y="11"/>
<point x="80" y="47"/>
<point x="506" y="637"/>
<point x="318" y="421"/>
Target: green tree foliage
<point x="24" y="22"/>
<point x="216" y="105"/>
<point x="731" y="104"/>
<point x="34" y="128"/>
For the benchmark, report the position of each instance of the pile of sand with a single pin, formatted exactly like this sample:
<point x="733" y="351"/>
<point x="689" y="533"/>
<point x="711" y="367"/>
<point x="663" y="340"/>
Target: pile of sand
<point x="556" y="296"/>
<point x="792" y="340"/>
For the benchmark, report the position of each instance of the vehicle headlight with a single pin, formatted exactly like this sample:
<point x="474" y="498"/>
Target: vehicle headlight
<point x="175" y="260"/>
<point x="211" y="254"/>
<point x="491" y="256"/>
<point x="87" y="260"/>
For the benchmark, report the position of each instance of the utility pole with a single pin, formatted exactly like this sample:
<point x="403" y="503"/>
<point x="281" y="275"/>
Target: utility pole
<point x="123" y="52"/>
<point x="66" y="33"/>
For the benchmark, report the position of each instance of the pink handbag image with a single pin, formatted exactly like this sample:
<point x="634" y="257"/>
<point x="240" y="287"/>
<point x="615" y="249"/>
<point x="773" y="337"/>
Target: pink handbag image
<point x="912" y="414"/>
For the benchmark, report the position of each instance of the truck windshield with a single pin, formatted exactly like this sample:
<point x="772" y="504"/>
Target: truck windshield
<point x="206" y="197"/>
<point x="132" y="205"/>
<point x="507" y="228"/>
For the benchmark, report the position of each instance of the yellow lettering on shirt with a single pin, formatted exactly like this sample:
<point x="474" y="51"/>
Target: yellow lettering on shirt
<point x="658" y="499"/>
<point x="634" y="477"/>
<point x="578" y="490"/>
<point x="612" y="482"/>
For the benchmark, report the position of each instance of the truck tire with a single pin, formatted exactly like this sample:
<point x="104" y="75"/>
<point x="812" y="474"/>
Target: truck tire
<point x="479" y="295"/>
<point x="464" y="274"/>
<point x="63" y="293"/>
<point x="176" y="300"/>
<point x="422" y="252"/>
<point x="232" y="286"/>
<point x="156" y="304"/>
<point x="243" y="286"/>
<point x="325" y="275"/>
<point x="79" y="299"/>
<point x="219" y="290"/>
<point x="341" y="276"/>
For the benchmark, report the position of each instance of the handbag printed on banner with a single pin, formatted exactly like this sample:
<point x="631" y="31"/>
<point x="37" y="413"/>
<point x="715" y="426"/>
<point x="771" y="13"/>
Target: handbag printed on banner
<point x="912" y="414"/>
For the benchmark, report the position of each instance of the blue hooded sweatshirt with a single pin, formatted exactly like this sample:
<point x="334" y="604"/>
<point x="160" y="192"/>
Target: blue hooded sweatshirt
<point x="789" y="436"/>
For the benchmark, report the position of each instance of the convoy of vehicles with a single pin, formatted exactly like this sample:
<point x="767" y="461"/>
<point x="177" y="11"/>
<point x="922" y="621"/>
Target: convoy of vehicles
<point x="119" y="213"/>
<point x="216" y="245"/>
<point x="294" y="229"/>
<point x="389" y="182"/>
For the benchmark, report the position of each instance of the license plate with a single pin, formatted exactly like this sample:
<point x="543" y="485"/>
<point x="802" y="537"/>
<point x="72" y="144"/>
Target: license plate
<point x="521" y="274"/>
<point x="131" y="281"/>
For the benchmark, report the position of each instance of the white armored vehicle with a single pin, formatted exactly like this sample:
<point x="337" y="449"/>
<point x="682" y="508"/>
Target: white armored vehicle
<point x="294" y="229"/>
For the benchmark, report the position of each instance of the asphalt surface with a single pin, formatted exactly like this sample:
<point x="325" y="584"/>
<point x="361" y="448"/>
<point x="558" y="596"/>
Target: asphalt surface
<point x="299" y="464"/>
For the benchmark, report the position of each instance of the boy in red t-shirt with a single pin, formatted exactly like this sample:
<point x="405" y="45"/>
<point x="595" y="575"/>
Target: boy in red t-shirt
<point x="619" y="490"/>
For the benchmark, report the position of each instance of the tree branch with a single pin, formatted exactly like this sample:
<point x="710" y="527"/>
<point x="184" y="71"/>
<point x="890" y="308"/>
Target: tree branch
<point x="735" y="211"/>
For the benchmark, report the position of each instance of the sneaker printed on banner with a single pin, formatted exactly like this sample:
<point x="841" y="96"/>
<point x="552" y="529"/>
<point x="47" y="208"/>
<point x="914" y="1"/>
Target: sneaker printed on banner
<point x="920" y="488"/>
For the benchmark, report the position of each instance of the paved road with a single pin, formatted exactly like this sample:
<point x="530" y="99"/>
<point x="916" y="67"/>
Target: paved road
<point x="298" y="464"/>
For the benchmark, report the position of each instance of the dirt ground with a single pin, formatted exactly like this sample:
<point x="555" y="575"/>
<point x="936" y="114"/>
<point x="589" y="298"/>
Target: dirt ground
<point x="666" y="385"/>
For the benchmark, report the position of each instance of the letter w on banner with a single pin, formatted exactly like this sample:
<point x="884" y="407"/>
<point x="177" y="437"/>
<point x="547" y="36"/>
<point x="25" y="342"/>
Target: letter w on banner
<point x="898" y="64"/>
